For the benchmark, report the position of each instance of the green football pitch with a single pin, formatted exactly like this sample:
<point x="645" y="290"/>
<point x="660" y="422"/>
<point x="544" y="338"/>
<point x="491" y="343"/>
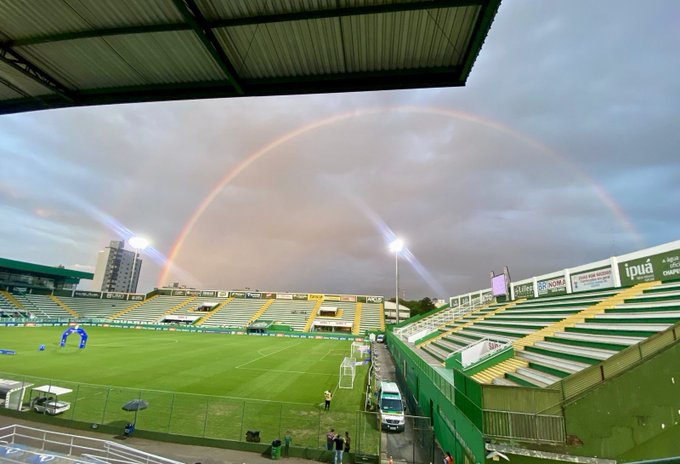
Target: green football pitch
<point x="197" y="384"/>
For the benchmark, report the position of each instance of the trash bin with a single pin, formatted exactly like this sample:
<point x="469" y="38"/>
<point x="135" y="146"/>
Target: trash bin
<point x="276" y="449"/>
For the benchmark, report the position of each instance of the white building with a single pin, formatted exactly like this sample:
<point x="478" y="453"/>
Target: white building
<point x="391" y="314"/>
<point x="115" y="266"/>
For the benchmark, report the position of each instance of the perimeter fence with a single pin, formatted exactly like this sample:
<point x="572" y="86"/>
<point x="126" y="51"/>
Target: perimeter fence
<point x="204" y="416"/>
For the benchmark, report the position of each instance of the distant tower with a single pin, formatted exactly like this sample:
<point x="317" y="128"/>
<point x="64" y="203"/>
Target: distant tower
<point x="115" y="267"/>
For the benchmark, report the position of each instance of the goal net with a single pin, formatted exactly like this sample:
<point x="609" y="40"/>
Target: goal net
<point x="347" y="373"/>
<point x="360" y="350"/>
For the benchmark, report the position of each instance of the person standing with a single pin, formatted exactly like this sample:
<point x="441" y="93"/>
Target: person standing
<point x="328" y="396"/>
<point x="347" y="442"/>
<point x="339" y="448"/>
<point x="287" y="440"/>
<point x="330" y="436"/>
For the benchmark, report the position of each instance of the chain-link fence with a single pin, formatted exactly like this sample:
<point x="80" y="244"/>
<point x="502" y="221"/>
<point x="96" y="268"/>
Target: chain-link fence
<point x="204" y="416"/>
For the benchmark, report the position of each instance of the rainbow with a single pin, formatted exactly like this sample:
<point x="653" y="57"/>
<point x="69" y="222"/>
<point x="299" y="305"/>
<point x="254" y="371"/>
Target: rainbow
<point x="233" y="172"/>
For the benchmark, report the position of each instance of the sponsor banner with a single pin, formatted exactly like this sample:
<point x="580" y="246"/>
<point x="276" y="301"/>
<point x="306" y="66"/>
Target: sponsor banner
<point x="374" y="299"/>
<point x="486" y="296"/>
<point x="222" y="294"/>
<point x="269" y="296"/>
<point x="299" y="296"/>
<point x="254" y="295"/>
<point x="63" y="293"/>
<point x="664" y="266"/>
<point x="237" y="294"/>
<point x="454" y="302"/>
<point x="179" y="293"/>
<point x="315" y="296"/>
<point x="41" y="291"/>
<point x="351" y="299"/>
<point x="193" y="293"/>
<point x="556" y="286"/>
<point x="525" y="290"/>
<point x="464" y="300"/>
<point x="164" y="291"/>
<point x="181" y="318"/>
<point x="84" y="294"/>
<point x="135" y="297"/>
<point x="284" y="296"/>
<point x="593" y="279"/>
<point x="114" y="295"/>
<point x="328" y="323"/>
<point x="208" y="294"/>
<point x="332" y="297"/>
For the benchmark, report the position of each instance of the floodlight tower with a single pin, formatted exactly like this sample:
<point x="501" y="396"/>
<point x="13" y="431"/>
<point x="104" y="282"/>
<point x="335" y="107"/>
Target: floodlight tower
<point x="138" y="244"/>
<point x="396" y="246"/>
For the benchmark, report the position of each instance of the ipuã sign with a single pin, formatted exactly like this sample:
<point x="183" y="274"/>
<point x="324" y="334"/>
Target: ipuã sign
<point x="664" y="266"/>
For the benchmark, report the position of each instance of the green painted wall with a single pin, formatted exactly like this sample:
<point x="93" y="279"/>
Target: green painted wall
<point x="455" y="410"/>
<point x="635" y="414"/>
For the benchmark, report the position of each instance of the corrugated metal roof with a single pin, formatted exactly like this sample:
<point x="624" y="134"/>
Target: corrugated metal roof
<point x="81" y="52"/>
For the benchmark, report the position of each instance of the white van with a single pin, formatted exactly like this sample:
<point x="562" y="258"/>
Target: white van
<point x="390" y="407"/>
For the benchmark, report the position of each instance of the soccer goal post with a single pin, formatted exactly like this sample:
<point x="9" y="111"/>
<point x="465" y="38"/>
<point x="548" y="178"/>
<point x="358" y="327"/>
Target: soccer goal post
<point x="360" y="350"/>
<point x="347" y="373"/>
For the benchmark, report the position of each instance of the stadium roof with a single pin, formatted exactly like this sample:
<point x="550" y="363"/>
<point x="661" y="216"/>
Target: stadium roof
<point x="39" y="269"/>
<point x="63" y="53"/>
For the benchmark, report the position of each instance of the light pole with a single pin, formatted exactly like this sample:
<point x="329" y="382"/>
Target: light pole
<point x="396" y="246"/>
<point x="138" y="243"/>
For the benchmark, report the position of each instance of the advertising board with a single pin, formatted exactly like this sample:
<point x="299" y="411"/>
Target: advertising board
<point x="593" y="279"/>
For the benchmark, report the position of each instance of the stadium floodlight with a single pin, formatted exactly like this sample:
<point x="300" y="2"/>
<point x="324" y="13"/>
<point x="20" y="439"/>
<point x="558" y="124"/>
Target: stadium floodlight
<point x="347" y="373"/>
<point x="138" y="244"/>
<point x="396" y="247"/>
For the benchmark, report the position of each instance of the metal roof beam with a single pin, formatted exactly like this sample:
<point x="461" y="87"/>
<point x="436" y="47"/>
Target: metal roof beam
<point x="192" y="14"/>
<point x="92" y="33"/>
<point x="264" y="19"/>
<point x="25" y="67"/>
<point x="346" y="11"/>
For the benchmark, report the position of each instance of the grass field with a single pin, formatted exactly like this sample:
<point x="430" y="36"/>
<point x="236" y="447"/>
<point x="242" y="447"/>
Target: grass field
<point x="197" y="384"/>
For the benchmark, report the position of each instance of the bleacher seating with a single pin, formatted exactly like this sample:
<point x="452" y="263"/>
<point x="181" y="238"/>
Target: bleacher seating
<point x="9" y="309"/>
<point x="189" y="309"/>
<point x="559" y="336"/>
<point x="153" y="309"/>
<point x="293" y="313"/>
<point x="236" y="313"/>
<point x="95" y="308"/>
<point x="371" y="317"/>
<point x="42" y="306"/>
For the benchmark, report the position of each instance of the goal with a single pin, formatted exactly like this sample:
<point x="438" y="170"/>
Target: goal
<point x="360" y="350"/>
<point x="347" y="373"/>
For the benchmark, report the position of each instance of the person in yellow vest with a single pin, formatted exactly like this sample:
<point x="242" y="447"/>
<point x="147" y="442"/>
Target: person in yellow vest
<point x="328" y="396"/>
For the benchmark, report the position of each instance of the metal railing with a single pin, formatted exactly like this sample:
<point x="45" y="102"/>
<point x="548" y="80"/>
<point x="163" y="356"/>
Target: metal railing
<point x="538" y="428"/>
<point x="29" y="444"/>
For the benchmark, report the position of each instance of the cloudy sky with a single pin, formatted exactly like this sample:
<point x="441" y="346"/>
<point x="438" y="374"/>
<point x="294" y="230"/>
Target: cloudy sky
<point x="563" y="148"/>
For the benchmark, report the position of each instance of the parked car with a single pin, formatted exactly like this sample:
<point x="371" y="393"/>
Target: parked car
<point x="49" y="405"/>
<point x="380" y="338"/>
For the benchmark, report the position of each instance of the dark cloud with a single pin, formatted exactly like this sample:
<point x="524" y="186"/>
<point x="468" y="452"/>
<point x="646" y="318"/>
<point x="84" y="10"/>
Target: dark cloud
<point x="561" y="150"/>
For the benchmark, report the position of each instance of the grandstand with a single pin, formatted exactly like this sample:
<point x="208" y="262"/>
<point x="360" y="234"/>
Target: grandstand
<point x="525" y="366"/>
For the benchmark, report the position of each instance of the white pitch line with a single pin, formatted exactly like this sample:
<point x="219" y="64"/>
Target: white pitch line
<point x="266" y="355"/>
<point x="283" y="370"/>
